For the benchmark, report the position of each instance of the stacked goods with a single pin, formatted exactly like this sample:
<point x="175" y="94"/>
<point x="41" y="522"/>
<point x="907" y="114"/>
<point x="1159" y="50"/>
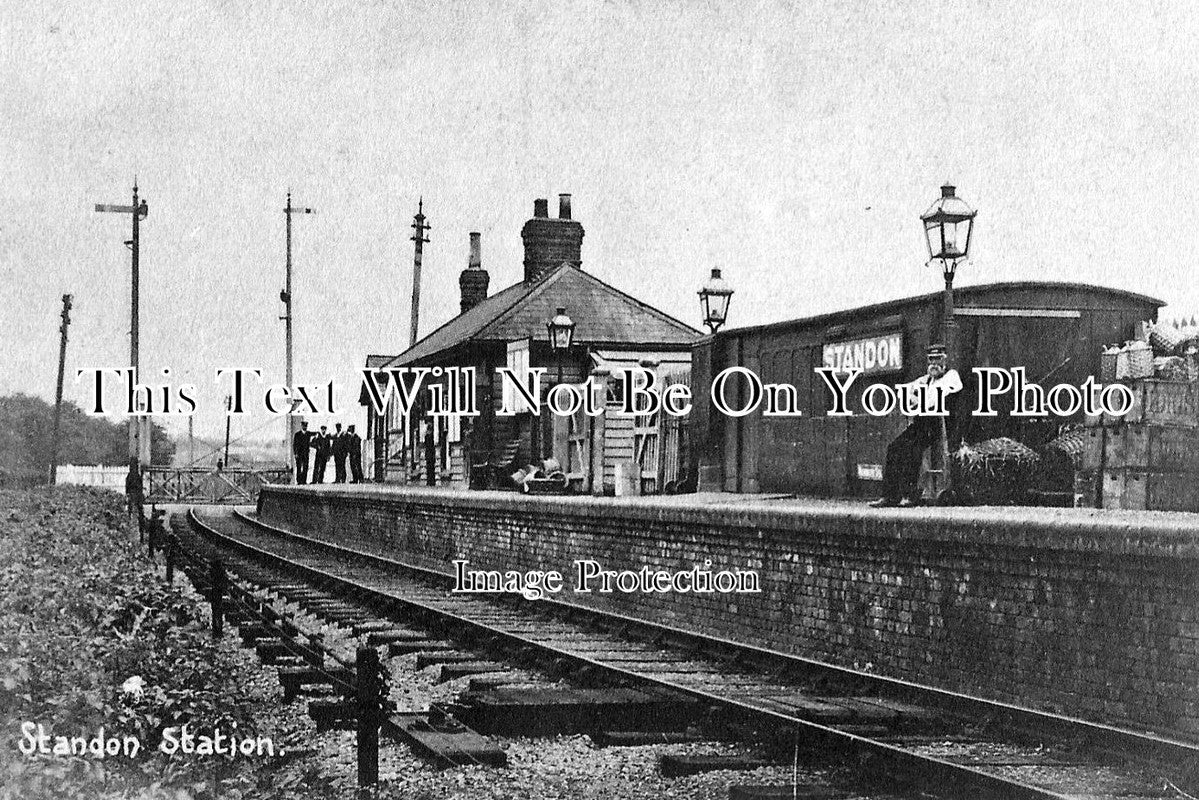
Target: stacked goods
<point x="1072" y="444"/>
<point x="1152" y="461"/>
<point x="1166" y="340"/>
<point x="1107" y="364"/>
<point x="1088" y="464"/>
<point x="995" y="472"/>
<point x="545" y="479"/>
<point x="1171" y="368"/>
<point x="1149" y="457"/>
<point x="1140" y="360"/>
<point x="1161" y="351"/>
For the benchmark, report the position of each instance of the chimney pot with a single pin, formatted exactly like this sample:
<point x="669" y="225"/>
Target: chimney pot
<point x="541" y="207"/>
<point x="476" y="251"/>
<point x="564" y="206"/>
<point x="473" y="281"/>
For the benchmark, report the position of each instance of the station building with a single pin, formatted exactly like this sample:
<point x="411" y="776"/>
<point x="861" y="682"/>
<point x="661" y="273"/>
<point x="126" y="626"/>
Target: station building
<point x="508" y="328"/>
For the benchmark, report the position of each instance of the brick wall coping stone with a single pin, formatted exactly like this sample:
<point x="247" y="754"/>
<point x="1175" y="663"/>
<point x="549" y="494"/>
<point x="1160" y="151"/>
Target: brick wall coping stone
<point x="1171" y="535"/>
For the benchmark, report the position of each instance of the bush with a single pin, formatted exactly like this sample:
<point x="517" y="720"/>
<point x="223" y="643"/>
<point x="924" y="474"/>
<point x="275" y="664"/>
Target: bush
<point x="83" y="615"/>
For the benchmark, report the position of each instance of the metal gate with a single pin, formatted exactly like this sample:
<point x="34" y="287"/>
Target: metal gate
<point x="578" y="448"/>
<point x="675" y="443"/>
<point x="646" y="452"/>
<point x="206" y="485"/>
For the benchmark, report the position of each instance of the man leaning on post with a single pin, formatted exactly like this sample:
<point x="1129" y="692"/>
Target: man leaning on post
<point x="134" y="496"/>
<point x="901" y="473"/>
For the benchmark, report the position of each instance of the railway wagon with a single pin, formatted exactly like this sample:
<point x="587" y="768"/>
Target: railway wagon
<point x="1054" y="330"/>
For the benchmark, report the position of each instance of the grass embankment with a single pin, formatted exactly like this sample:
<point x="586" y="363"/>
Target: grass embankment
<point x="92" y="638"/>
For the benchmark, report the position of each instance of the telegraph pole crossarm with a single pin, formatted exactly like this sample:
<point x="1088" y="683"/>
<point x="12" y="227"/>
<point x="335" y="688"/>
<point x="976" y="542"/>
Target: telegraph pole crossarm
<point x="419" y="226"/>
<point x="139" y="427"/>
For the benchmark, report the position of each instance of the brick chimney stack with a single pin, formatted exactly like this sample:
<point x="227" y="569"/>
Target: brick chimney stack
<point x="549" y="241"/>
<point x="474" y="280"/>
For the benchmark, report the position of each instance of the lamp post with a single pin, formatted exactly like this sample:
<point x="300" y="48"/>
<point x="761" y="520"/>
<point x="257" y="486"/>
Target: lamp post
<point x="561" y="331"/>
<point x="948" y="225"/>
<point x="714" y="299"/>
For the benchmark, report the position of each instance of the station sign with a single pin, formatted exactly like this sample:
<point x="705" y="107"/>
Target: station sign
<point x="872" y="354"/>
<point x="870" y="472"/>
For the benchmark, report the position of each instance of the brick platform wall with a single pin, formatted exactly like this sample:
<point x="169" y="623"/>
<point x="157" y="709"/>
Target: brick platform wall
<point x="1090" y="613"/>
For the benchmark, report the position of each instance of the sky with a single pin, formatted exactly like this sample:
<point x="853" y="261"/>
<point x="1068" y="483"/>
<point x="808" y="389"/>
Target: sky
<point x="793" y="145"/>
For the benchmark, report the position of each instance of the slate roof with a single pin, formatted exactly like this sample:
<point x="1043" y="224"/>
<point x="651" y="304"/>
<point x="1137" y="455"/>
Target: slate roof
<point x="374" y="360"/>
<point x="603" y="316"/>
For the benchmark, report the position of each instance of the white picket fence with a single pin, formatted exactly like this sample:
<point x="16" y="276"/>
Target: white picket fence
<point x="102" y="477"/>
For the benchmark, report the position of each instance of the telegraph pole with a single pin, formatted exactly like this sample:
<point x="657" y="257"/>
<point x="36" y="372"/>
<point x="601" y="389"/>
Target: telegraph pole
<point x="419" y="226"/>
<point x="419" y="237"/>
<point x="285" y="296"/>
<point x="139" y="427"/>
<point x="62" y="360"/>
<point x="228" y="421"/>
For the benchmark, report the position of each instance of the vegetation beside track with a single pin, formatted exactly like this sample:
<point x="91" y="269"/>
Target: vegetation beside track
<point x="83" y="613"/>
<point x="91" y="637"/>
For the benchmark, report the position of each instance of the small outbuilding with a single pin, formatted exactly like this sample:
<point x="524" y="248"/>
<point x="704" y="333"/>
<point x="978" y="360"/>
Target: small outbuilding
<point x="1056" y="331"/>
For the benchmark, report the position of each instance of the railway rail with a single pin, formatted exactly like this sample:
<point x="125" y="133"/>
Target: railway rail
<point x="344" y="690"/>
<point x="939" y="742"/>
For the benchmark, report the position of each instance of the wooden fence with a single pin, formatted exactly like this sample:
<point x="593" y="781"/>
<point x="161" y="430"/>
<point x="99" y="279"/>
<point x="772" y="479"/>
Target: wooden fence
<point x="610" y="453"/>
<point x="99" y="476"/>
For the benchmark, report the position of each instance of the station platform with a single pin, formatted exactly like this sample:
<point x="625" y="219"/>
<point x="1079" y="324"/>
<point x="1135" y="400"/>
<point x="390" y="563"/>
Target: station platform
<point x="1172" y="522"/>
<point x="1089" y="612"/>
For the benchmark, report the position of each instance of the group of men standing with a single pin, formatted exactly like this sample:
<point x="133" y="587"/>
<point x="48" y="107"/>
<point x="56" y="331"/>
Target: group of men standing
<point x="344" y="446"/>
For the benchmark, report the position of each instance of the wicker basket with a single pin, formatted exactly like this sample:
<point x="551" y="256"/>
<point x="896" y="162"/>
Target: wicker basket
<point x="554" y="484"/>
<point x="996" y="472"/>
<point x="1166" y="340"/>
<point x="1107" y="364"/>
<point x="1073" y="443"/>
<point x="1123" y="369"/>
<point x="1171" y="368"/>
<point x="1140" y="360"/>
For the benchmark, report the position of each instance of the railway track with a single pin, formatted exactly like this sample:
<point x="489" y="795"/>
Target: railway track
<point x="933" y="741"/>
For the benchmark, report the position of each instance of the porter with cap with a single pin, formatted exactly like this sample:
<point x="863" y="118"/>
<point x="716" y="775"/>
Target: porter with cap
<point x="901" y="472"/>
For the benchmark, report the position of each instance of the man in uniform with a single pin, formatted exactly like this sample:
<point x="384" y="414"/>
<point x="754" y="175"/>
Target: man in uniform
<point x="340" y="451"/>
<point x="134" y="494"/>
<point x="135" y="497"/>
<point x="156" y="530"/>
<point x="901" y="473"/>
<point x="354" y="448"/>
<point x="321" y="457"/>
<point x="299" y="449"/>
